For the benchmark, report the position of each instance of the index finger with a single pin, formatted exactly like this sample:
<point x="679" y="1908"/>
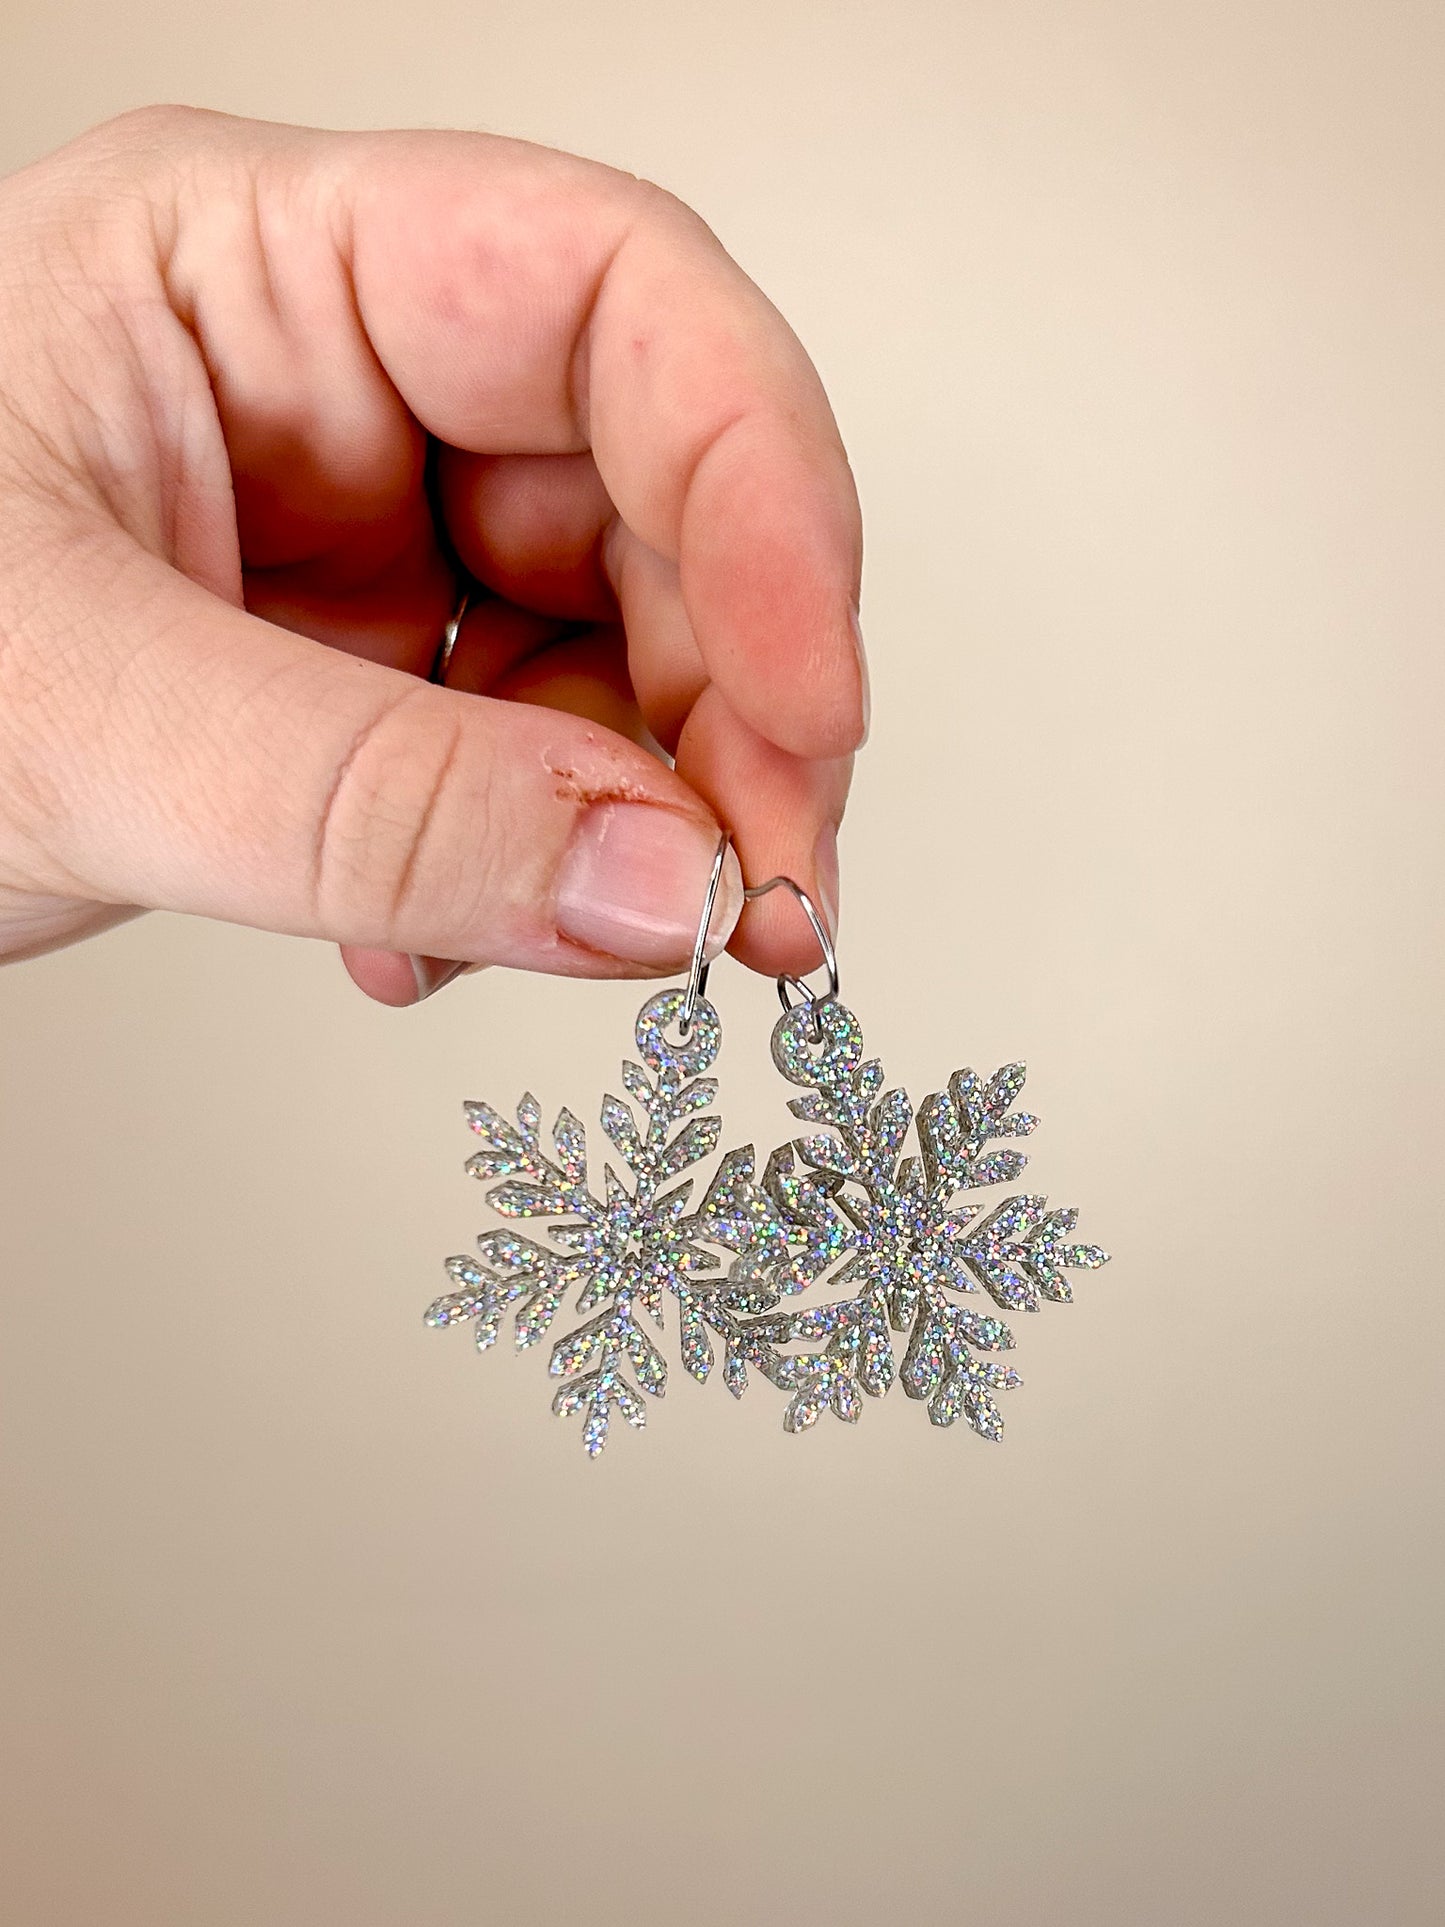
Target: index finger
<point x="523" y="301"/>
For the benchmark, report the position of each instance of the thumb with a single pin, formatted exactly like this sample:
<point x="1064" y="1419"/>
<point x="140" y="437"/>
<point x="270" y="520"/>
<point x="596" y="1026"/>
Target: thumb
<point x="200" y="759"/>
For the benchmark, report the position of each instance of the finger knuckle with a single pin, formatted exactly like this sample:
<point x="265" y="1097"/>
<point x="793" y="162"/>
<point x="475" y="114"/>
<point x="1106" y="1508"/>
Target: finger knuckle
<point x="160" y="125"/>
<point x="659" y="207"/>
<point x="403" y="830"/>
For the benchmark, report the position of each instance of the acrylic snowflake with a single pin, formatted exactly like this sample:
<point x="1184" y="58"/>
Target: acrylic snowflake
<point x="846" y="1208"/>
<point x="622" y="1250"/>
<point x="908" y="1238"/>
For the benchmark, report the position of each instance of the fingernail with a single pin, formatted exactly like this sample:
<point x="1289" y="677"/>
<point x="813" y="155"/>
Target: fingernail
<point x="633" y="882"/>
<point x="864" y="691"/>
<point x="432" y="972"/>
<point x="825" y="861"/>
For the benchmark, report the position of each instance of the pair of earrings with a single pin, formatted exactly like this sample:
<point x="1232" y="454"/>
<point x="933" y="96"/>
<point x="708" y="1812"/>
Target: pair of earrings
<point x="893" y="1240"/>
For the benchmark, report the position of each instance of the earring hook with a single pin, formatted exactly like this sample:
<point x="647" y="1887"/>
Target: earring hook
<point x="697" y="972"/>
<point x="820" y="931"/>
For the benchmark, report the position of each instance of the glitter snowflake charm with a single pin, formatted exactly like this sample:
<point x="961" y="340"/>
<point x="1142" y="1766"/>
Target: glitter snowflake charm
<point x="621" y="1249"/>
<point x="910" y="1240"/>
<point x="892" y="1239"/>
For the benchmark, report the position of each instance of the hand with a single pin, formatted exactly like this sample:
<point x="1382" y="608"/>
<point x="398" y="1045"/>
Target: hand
<point x="254" y="382"/>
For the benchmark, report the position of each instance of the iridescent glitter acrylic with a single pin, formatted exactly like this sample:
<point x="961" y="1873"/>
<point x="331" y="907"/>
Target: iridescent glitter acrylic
<point x="891" y="1243"/>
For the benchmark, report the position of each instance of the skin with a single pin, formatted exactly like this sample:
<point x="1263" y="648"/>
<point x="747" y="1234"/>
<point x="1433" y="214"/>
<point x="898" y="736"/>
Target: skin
<point x="261" y="389"/>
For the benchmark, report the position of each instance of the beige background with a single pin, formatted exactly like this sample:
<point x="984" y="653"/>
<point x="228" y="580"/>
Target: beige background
<point x="1132" y="315"/>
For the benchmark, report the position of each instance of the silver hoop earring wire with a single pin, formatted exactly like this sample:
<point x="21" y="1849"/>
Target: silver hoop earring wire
<point x="697" y="972"/>
<point x="820" y="931"/>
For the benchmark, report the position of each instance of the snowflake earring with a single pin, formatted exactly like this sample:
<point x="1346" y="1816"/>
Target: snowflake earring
<point x="843" y="1205"/>
<point x="627" y="1246"/>
<point x="908" y="1242"/>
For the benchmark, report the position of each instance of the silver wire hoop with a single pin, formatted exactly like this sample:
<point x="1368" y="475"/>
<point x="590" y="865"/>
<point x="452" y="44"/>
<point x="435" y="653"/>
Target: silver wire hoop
<point x="697" y="972"/>
<point x="820" y="931"/>
<point x="441" y="662"/>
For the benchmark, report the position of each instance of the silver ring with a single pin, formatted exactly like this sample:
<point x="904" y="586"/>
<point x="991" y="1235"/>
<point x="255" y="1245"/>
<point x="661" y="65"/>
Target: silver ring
<point x="441" y="662"/>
